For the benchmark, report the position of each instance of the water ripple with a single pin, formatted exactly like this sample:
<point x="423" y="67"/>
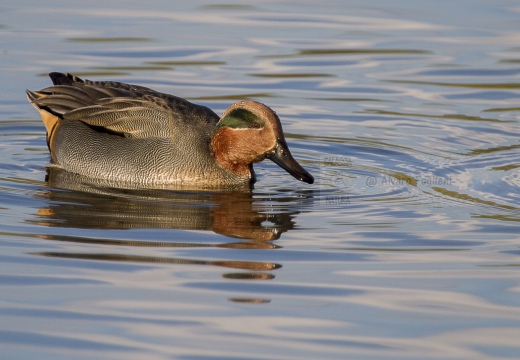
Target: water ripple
<point x="407" y="244"/>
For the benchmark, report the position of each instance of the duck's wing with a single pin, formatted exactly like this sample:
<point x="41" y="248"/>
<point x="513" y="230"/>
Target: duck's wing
<point x="118" y="108"/>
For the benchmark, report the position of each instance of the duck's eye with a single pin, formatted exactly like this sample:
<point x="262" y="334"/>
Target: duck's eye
<point x="255" y="125"/>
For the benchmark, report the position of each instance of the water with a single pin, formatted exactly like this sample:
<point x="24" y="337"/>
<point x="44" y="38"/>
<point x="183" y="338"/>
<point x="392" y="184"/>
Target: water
<point x="407" y="245"/>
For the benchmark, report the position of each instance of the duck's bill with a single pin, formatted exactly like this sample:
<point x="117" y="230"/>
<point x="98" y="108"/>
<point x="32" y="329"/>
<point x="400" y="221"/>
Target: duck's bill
<point x="282" y="157"/>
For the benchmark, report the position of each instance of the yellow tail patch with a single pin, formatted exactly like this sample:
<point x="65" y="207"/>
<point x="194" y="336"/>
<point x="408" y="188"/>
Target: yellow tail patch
<point x="49" y="121"/>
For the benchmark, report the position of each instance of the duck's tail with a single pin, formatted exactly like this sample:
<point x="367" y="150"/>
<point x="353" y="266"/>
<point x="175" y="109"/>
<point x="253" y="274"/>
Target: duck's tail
<point x="54" y="101"/>
<point x="49" y="118"/>
<point x="64" y="79"/>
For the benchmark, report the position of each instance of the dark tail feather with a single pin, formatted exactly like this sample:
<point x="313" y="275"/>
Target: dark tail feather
<point x="63" y="79"/>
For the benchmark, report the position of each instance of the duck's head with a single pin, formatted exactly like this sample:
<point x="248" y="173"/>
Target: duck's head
<point x="249" y="132"/>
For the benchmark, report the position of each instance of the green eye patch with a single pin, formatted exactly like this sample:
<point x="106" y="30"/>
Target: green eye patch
<point x="241" y="119"/>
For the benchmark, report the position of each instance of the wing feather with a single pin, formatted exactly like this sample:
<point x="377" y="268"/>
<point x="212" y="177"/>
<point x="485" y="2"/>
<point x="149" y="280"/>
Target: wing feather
<point x="124" y="109"/>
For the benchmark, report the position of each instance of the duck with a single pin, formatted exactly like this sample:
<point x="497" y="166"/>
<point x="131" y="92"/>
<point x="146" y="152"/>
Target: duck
<point x="132" y="134"/>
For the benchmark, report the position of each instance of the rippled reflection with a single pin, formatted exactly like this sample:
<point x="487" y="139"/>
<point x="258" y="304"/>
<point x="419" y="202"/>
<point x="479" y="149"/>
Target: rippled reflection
<point x="90" y="204"/>
<point x="78" y="202"/>
<point x="244" y="265"/>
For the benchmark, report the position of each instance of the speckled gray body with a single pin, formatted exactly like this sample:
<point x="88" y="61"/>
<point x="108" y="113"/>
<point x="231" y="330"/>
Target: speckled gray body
<point x="132" y="134"/>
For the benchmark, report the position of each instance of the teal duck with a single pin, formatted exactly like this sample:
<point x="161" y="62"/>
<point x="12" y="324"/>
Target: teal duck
<point x="128" y="133"/>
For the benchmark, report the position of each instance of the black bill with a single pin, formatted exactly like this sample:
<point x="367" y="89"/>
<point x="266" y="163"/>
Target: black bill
<point x="282" y="157"/>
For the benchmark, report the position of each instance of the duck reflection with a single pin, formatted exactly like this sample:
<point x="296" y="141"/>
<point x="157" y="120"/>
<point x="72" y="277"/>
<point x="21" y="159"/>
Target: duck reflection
<point x="77" y="202"/>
